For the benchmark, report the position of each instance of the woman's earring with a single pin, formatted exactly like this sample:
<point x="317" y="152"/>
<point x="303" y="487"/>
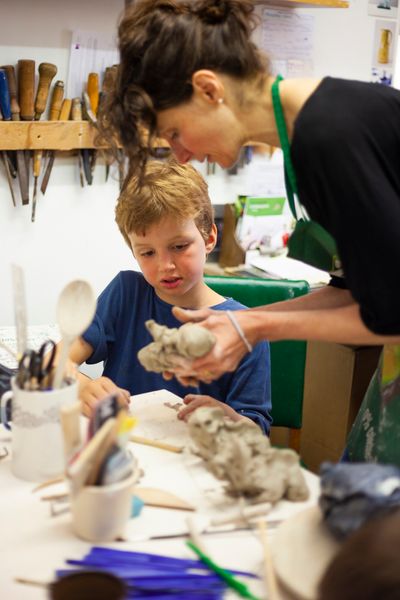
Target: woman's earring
<point x="220" y="100"/>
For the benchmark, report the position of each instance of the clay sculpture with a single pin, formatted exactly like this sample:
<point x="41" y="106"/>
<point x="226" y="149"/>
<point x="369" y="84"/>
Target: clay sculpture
<point x="188" y="341"/>
<point x="238" y="452"/>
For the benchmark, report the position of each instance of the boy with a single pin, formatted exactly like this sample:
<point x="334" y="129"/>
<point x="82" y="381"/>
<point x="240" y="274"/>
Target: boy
<point x="168" y="224"/>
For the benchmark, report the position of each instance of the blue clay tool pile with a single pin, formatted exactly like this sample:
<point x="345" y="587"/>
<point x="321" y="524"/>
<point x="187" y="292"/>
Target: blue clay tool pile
<point x="154" y="576"/>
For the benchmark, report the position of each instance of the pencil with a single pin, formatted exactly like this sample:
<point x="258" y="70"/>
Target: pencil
<point x="229" y="579"/>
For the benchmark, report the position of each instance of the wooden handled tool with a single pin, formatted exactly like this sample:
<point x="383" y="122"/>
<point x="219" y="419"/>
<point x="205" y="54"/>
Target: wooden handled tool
<point x="56" y="100"/>
<point x="54" y="114"/>
<point x="47" y="72"/>
<point x="12" y="88"/>
<point x="93" y="91"/>
<point x="15" y="116"/>
<point x="107" y="85"/>
<point x="37" y="161"/>
<point x="88" y="115"/>
<point x="6" y="114"/>
<point x="76" y="115"/>
<point x="93" y="94"/>
<point x="26" y="99"/>
<point x="26" y="89"/>
<point x="65" y="110"/>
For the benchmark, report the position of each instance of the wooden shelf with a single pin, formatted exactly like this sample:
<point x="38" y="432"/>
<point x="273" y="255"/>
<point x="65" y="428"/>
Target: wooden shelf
<point x="49" y="135"/>
<point x="57" y="135"/>
<point x="46" y="135"/>
<point x="304" y="3"/>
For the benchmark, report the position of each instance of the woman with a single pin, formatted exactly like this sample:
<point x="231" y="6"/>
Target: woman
<point x="190" y="73"/>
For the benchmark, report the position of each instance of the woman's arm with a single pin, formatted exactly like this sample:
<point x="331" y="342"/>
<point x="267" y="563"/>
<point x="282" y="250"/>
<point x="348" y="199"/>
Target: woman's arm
<point x="328" y="315"/>
<point x="326" y="297"/>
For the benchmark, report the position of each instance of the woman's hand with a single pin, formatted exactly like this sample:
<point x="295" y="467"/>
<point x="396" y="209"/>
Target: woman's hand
<point x="227" y="352"/>
<point x="97" y="389"/>
<point x="194" y="401"/>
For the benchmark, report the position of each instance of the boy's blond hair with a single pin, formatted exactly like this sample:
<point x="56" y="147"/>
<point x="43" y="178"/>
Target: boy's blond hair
<point x="168" y="189"/>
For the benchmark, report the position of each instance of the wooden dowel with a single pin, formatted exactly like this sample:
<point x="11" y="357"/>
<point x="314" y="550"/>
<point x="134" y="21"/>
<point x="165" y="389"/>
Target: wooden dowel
<point x="269" y="573"/>
<point x="34" y="582"/>
<point x="146" y="442"/>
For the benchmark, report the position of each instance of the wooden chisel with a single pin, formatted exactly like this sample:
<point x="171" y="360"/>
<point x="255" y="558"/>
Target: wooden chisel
<point x="15" y="116"/>
<point x="47" y="71"/>
<point x="88" y="116"/>
<point x="26" y="99"/>
<point x="76" y="115"/>
<point x="37" y="161"/>
<point x="6" y="113"/>
<point x="65" y="110"/>
<point x="93" y="93"/>
<point x="64" y="116"/>
<point x="54" y="113"/>
<point x="107" y="85"/>
<point x="11" y="157"/>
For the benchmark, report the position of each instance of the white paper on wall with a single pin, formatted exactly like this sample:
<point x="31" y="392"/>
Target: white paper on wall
<point x="288" y="39"/>
<point x="90" y="52"/>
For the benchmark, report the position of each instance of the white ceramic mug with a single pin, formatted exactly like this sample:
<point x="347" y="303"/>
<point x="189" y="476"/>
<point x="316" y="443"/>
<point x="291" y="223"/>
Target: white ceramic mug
<point x="100" y="512"/>
<point x="37" y="441"/>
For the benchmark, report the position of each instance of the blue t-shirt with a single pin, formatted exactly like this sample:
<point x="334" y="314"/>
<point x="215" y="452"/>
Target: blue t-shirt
<point x="118" y="332"/>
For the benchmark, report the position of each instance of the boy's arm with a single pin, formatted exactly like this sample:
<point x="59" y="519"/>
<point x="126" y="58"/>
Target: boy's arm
<point x="247" y="394"/>
<point x="194" y="401"/>
<point x="91" y="390"/>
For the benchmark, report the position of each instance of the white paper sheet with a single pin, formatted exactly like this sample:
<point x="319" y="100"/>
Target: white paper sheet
<point x="90" y="52"/>
<point x="289" y="268"/>
<point x="156" y="421"/>
<point x="288" y="39"/>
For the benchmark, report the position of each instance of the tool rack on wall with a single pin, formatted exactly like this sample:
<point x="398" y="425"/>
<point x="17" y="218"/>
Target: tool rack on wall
<point x="46" y="135"/>
<point x="50" y="135"/>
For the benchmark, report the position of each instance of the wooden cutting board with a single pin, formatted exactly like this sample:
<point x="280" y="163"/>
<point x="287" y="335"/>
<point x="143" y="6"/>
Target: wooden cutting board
<point x="161" y="498"/>
<point x="301" y="549"/>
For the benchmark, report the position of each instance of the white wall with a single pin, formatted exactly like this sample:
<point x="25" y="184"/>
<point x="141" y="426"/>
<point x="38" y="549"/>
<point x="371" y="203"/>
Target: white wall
<point x="74" y="234"/>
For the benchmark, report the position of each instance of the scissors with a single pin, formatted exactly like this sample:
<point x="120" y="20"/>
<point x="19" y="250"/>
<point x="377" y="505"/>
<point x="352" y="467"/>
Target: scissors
<point x="35" y="366"/>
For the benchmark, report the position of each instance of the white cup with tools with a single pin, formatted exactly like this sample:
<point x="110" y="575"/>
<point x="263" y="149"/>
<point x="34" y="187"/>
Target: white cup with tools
<point x="37" y="442"/>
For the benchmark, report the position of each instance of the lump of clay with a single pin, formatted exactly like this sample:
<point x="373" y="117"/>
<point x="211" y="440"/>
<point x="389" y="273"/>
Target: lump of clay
<point x="352" y="493"/>
<point x="189" y="341"/>
<point x="238" y="452"/>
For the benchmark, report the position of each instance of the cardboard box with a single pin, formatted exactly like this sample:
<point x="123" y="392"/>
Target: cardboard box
<point x="336" y="379"/>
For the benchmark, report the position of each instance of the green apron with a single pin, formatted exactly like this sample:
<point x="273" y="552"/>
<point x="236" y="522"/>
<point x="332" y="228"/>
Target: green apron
<point x="375" y="435"/>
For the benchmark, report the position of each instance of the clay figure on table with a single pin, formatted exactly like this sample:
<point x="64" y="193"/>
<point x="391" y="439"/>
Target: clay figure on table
<point x="239" y="454"/>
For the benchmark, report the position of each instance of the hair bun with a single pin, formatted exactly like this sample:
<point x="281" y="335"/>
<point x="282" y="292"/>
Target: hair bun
<point x="213" y="11"/>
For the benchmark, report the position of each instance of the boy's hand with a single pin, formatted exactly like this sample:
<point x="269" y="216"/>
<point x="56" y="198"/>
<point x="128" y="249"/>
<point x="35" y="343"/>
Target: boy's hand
<point x="97" y="389"/>
<point x="194" y="401"/>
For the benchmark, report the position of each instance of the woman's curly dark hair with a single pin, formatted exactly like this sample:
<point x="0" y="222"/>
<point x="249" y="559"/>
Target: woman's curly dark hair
<point x="162" y="43"/>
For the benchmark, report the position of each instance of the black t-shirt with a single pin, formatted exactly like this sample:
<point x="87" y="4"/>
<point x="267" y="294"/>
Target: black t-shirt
<point x="346" y="154"/>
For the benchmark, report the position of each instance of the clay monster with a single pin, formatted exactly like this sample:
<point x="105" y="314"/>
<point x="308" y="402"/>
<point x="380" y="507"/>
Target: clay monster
<point x="189" y="341"/>
<point x="238" y="452"/>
